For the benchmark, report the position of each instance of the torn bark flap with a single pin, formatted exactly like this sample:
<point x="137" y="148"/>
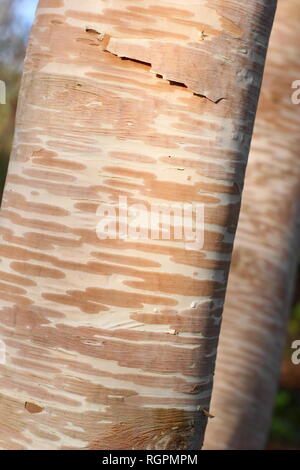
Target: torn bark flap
<point x="196" y="66"/>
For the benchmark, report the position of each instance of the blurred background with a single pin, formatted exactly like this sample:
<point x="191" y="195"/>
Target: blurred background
<point x="16" y="17"/>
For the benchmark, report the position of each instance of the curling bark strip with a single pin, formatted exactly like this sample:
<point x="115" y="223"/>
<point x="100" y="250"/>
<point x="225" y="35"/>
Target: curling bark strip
<point x="265" y="258"/>
<point x="114" y="341"/>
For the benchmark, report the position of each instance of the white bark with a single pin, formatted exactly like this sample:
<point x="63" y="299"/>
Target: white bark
<point x="111" y="344"/>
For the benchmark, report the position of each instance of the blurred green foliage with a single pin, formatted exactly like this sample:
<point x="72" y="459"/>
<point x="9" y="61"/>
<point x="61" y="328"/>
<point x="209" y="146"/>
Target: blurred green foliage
<point x="7" y="116"/>
<point x="294" y="325"/>
<point x="286" y="418"/>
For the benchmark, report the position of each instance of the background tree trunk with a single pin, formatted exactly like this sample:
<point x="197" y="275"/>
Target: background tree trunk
<point x="265" y="256"/>
<point x="112" y="343"/>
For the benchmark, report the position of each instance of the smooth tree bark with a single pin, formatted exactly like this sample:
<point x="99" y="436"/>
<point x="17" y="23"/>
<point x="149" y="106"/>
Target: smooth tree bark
<point x="265" y="255"/>
<point x="111" y="343"/>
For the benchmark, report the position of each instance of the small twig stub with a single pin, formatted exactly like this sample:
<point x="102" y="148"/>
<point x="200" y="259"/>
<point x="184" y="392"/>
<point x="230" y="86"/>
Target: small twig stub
<point x="207" y="414"/>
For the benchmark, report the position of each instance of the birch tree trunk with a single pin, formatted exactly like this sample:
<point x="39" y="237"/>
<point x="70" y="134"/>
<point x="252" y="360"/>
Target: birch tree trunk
<point x="111" y="343"/>
<point x="265" y="256"/>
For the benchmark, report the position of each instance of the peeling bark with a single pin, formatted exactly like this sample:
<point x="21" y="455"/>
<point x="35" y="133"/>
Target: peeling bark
<point x="188" y="68"/>
<point x="264" y="258"/>
<point x="116" y="339"/>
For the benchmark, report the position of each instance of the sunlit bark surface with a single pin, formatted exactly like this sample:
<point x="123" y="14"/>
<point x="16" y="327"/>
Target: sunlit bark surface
<point x="265" y="255"/>
<point x="112" y="343"/>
